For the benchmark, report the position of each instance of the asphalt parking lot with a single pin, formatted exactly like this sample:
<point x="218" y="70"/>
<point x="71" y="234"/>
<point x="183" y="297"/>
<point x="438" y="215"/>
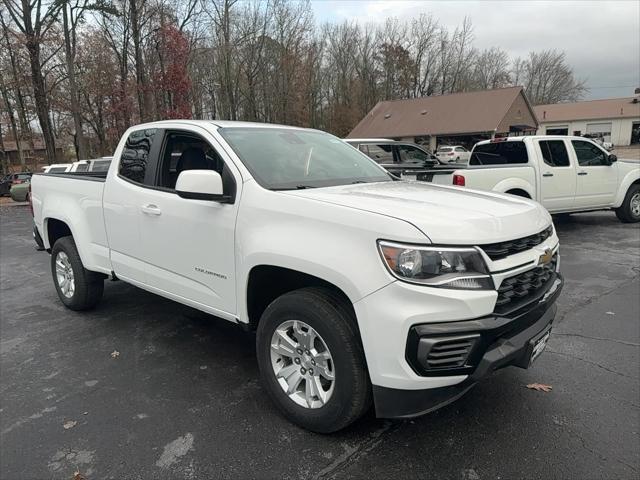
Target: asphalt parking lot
<point x="182" y="398"/>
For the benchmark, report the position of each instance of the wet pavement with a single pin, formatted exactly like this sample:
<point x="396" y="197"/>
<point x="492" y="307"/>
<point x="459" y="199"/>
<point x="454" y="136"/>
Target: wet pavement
<point x="182" y="399"/>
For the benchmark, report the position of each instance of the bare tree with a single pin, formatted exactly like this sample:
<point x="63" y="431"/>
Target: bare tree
<point x="34" y="18"/>
<point x="491" y="69"/>
<point x="548" y="79"/>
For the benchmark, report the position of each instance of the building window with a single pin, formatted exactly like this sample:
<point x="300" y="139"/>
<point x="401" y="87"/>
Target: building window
<point x="557" y="130"/>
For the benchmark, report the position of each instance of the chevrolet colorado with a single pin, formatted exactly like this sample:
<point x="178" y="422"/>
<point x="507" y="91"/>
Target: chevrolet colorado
<point x="362" y="288"/>
<point x="565" y="174"/>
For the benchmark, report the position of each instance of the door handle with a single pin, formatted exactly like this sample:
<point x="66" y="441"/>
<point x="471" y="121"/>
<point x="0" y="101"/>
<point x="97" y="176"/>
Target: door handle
<point x="547" y="174"/>
<point x="582" y="173"/>
<point x="151" y="209"/>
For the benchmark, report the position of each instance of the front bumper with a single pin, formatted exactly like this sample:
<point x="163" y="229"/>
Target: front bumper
<point x="498" y="341"/>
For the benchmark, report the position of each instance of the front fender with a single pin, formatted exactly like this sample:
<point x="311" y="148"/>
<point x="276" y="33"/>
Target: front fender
<point x="631" y="176"/>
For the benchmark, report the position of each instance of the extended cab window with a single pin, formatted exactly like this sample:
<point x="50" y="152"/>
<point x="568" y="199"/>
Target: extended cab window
<point x="133" y="161"/>
<point x="588" y="154"/>
<point x="499" y="153"/>
<point x="188" y="151"/>
<point x="554" y="153"/>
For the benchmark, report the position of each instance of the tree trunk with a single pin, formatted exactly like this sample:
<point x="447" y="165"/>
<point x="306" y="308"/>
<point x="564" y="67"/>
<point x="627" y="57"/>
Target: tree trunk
<point x="39" y="91"/>
<point x="144" y="99"/>
<point x="12" y="120"/>
<point x="81" y="146"/>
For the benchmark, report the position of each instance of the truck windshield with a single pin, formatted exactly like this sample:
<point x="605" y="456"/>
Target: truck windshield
<point x="288" y="159"/>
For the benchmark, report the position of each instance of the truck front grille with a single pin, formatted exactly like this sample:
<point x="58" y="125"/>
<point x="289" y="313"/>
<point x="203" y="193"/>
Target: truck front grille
<point x="497" y="251"/>
<point x="519" y="290"/>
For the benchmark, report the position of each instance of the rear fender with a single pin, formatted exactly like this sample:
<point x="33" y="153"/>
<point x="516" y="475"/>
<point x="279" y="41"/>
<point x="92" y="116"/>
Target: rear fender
<point x="515" y="184"/>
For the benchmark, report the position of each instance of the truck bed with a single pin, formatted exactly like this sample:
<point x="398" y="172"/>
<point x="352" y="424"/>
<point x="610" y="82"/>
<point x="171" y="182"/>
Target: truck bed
<point x="76" y="196"/>
<point x="91" y="176"/>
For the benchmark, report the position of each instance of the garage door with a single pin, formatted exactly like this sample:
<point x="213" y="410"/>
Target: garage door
<point x="601" y="129"/>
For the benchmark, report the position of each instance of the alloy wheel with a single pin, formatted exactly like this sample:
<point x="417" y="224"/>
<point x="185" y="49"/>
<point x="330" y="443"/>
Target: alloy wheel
<point x="64" y="275"/>
<point x="302" y="364"/>
<point x="635" y="205"/>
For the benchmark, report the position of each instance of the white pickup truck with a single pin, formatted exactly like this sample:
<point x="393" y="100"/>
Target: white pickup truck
<point x="565" y="174"/>
<point x="361" y="287"/>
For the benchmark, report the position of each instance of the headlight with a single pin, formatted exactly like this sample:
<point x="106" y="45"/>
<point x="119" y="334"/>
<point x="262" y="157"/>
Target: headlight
<point x="445" y="267"/>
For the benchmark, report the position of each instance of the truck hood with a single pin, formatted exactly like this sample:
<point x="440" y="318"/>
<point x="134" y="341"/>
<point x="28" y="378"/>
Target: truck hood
<point x="447" y="215"/>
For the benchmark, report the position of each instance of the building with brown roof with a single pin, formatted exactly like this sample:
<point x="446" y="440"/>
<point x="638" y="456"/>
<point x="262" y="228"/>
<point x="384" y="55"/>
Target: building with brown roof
<point x="454" y="119"/>
<point x="616" y="120"/>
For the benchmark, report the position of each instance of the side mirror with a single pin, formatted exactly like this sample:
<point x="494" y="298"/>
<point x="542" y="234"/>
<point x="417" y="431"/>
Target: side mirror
<point x="612" y="158"/>
<point x="201" y="185"/>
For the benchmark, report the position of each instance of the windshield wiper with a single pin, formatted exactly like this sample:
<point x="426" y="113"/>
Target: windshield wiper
<point x="304" y="187"/>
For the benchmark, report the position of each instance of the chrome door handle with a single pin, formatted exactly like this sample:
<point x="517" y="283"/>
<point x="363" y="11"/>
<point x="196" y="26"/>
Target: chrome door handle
<point x="547" y="174"/>
<point x="582" y="173"/>
<point x="151" y="209"/>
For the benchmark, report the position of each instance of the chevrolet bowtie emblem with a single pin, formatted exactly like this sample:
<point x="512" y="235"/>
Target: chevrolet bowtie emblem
<point x="545" y="257"/>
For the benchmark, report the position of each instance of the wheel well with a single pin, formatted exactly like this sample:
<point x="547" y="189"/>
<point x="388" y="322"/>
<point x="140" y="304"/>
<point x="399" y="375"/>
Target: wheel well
<point x="56" y="229"/>
<point x="267" y="282"/>
<point x="518" y="192"/>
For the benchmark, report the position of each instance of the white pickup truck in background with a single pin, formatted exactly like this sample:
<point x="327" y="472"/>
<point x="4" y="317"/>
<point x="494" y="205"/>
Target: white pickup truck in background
<point x="362" y="288"/>
<point x="565" y="174"/>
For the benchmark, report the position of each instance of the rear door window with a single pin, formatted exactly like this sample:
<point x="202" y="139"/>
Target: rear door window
<point x="500" y="153"/>
<point x="554" y="153"/>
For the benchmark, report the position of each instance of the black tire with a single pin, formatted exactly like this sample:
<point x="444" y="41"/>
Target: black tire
<point x="89" y="286"/>
<point x="327" y="313"/>
<point x="624" y="212"/>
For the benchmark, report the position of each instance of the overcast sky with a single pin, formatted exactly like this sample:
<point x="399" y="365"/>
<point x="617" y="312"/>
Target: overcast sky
<point x="601" y="38"/>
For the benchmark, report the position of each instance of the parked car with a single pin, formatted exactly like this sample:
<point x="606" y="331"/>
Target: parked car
<point x="57" y="168"/>
<point x="386" y="152"/>
<point x="13" y="179"/>
<point x="93" y="165"/>
<point x="362" y="289"/>
<point x="403" y="159"/>
<point x="20" y="192"/>
<point x="565" y="174"/>
<point x="599" y="139"/>
<point x="453" y="154"/>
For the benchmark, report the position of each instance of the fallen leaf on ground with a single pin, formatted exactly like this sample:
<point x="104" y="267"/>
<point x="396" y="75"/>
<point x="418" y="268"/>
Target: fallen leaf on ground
<point x="540" y="387"/>
<point x="69" y="424"/>
<point x="115" y="354"/>
<point x="78" y="476"/>
<point x="610" y="313"/>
